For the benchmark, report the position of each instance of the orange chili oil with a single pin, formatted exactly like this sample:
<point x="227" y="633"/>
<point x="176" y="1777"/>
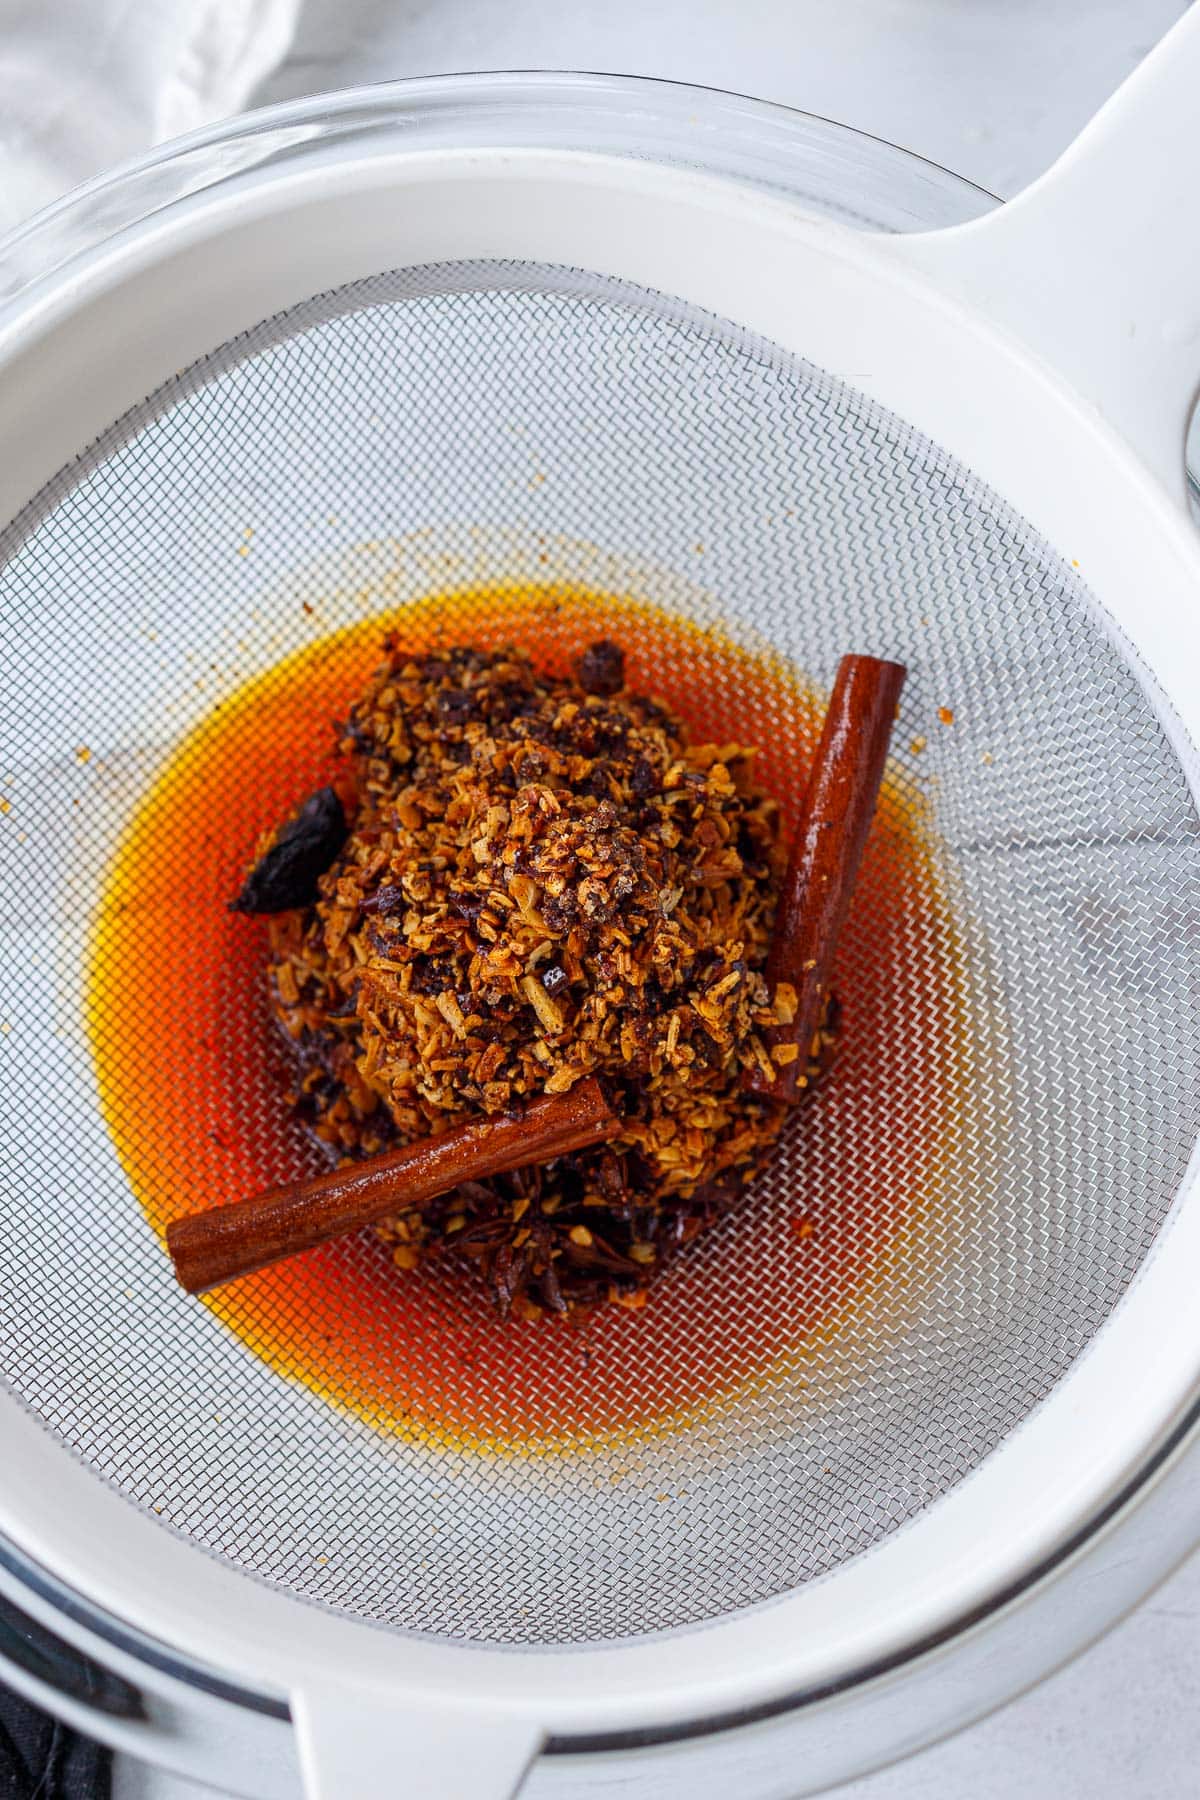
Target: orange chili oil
<point x="195" y="1078"/>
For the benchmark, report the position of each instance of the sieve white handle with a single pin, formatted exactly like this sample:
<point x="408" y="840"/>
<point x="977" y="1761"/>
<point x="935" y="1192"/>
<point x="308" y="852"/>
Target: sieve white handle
<point x="1096" y="265"/>
<point x="355" y="1745"/>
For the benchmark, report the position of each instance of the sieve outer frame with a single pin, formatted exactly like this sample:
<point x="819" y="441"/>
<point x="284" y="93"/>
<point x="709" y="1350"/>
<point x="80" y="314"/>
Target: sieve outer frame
<point x="800" y="1746"/>
<point x="934" y="332"/>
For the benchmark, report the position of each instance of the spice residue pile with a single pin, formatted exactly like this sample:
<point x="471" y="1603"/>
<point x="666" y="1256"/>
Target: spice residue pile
<point x="541" y="880"/>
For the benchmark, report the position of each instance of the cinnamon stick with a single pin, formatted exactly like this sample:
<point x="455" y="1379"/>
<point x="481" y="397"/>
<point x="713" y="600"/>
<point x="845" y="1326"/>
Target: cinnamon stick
<point x="223" y="1242"/>
<point x="835" y="819"/>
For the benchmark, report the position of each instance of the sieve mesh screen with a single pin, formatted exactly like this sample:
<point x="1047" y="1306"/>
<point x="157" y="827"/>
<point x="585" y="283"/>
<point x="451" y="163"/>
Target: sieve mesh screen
<point x="1019" y="1088"/>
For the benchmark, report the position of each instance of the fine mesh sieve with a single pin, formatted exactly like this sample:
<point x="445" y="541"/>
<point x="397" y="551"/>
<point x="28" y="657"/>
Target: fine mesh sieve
<point x="995" y="1152"/>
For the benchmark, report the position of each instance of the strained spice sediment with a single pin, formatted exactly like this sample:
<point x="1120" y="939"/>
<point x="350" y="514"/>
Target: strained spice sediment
<point x="541" y="880"/>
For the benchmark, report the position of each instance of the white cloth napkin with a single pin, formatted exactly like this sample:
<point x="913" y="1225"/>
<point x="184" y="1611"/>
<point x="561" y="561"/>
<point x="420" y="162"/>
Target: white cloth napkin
<point x="86" y="83"/>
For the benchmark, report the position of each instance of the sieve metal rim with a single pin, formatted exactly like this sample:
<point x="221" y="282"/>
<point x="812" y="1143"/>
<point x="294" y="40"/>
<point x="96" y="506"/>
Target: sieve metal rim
<point x="1110" y="1558"/>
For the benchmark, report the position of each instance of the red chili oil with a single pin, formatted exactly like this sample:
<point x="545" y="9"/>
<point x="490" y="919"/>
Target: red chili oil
<point x="195" y="1080"/>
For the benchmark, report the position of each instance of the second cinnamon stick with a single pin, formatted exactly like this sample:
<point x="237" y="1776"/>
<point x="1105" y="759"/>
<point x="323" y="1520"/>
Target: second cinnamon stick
<point x="215" y="1246"/>
<point x="835" y="818"/>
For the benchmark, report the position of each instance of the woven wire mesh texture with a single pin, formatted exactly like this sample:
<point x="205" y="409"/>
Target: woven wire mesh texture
<point x="948" y="1222"/>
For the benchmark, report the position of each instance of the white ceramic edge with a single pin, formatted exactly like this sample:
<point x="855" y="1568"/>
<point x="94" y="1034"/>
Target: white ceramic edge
<point x="834" y="296"/>
<point x="194" y="1734"/>
<point x="802" y="1750"/>
<point x="816" y="1742"/>
<point x="831" y="1737"/>
<point x="1096" y="265"/>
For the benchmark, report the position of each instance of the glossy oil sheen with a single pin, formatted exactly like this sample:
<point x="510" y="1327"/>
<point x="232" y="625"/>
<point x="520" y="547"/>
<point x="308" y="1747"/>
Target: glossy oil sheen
<point x="194" y="1081"/>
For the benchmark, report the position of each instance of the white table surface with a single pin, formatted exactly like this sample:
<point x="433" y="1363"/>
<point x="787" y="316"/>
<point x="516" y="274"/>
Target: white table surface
<point x="993" y="89"/>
